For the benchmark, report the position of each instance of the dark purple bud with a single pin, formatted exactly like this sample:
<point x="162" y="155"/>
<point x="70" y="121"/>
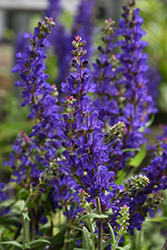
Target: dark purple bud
<point x="85" y="63"/>
<point x="98" y="61"/>
<point x="32" y="184"/>
<point x="101" y="49"/>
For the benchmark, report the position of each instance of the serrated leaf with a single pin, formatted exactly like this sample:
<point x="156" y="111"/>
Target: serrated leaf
<point x="38" y="243"/>
<point x="13" y="243"/>
<point x="137" y="160"/>
<point x="93" y="216"/>
<point x="112" y="234"/>
<point x="87" y="242"/>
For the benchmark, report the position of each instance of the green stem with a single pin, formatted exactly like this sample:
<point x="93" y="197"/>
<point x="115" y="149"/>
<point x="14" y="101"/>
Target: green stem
<point x="91" y="228"/>
<point x="139" y="240"/>
<point x="100" y="233"/>
<point x="118" y="238"/>
<point x="23" y="220"/>
<point x="31" y="194"/>
<point x="24" y="232"/>
<point x="33" y="224"/>
<point x="66" y="245"/>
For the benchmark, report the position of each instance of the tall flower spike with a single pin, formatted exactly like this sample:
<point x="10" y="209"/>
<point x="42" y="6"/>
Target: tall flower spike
<point x="37" y="92"/>
<point x="123" y="93"/>
<point x="85" y="150"/>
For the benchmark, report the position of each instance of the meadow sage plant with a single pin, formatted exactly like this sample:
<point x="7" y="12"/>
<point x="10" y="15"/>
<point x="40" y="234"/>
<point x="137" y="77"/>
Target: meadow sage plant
<point x="72" y="188"/>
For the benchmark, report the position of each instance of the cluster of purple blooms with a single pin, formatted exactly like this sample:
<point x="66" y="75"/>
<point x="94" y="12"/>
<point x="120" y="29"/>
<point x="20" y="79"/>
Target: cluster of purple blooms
<point x="122" y="91"/>
<point x="85" y="143"/>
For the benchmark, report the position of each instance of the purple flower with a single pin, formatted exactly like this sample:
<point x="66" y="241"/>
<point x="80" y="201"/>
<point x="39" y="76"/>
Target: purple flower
<point x="2" y="198"/>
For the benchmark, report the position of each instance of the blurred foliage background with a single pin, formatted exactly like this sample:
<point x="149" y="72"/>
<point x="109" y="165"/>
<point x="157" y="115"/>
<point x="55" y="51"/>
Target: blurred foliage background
<point x="154" y="13"/>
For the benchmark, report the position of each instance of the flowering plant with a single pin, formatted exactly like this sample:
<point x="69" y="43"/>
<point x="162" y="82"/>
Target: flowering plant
<point x="78" y="161"/>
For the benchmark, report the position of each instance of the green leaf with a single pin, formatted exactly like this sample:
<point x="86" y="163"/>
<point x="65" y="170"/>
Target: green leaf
<point x="108" y="242"/>
<point x="158" y="219"/>
<point x="93" y="216"/>
<point x="38" y="243"/>
<point x="22" y="205"/>
<point x="23" y="194"/>
<point x="130" y="150"/>
<point x="137" y="160"/>
<point x="13" y="243"/>
<point x="79" y="249"/>
<point x="127" y="247"/>
<point x="7" y="203"/>
<point x="87" y="242"/>
<point x="112" y="234"/>
<point x="9" y="218"/>
<point x="44" y="197"/>
<point x="58" y="239"/>
<point x="148" y="124"/>
<point x="120" y="178"/>
<point x="109" y="212"/>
